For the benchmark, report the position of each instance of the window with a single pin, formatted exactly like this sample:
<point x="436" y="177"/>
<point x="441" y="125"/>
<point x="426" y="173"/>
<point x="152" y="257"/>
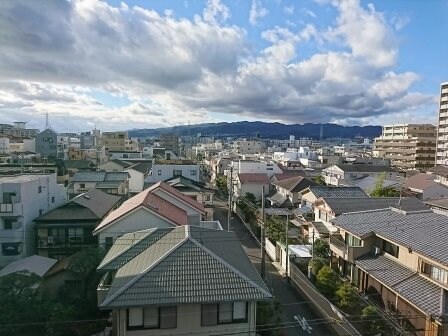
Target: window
<point x="159" y="172"/>
<point x="193" y="172"/>
<point x="207" y="197"/>
<point x="223" y="313"/>
<point x="11" y="249"/>
<point x="41" y="212"/>
<point x="109" y="241"/>
<point x="434" y="272"/>
<point x="177" y="172"/>
<point x="52" y="199"/>
<point x="82" y="185"/>
<point x="8" y="223"/>
<point x="390" y="248"/>
<point x="75" y="235"/>
<point x="39" y="189"/>
<point x="152" y="318"/>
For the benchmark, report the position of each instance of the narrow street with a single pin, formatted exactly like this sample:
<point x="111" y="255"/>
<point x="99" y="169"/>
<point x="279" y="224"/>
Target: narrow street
<point x="294" y="307"/>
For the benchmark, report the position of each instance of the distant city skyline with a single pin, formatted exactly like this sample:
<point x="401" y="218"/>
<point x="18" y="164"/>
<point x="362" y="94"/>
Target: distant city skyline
<point x="120" y="65"/>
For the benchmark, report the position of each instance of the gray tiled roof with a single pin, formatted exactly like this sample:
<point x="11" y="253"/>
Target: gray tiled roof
<point x="345" y="192"/>
<point x="295" y="184"/>
<point x="187" y="264"/>
<point x="88" y="176"/>
<point x="365" y="168"/>
<point x="116" y="176"/>
<point x="424" y="232"/>
<point x="92" y="205"/>
<point x="344" y="205"/>
<point x="128" y="246"/>
<point x="408" y="284"/>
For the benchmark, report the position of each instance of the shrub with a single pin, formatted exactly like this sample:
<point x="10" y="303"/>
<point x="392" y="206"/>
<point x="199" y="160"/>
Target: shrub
<point x="327" y="281"/>
<point x="348" y="298"/>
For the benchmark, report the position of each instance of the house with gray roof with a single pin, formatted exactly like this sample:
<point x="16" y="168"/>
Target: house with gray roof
<point x="399" y="258"/>
<point x="115" y="183"/>
<point x="346" y="174"/>
<point x="181" y="280"/>
<point x="68" y="228"/>
<point x="286" y="192"/>
<point x="313" y="193"/>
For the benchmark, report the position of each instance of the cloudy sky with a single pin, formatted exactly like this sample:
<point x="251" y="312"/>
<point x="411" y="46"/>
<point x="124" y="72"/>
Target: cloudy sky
<point x="140" y="63"/>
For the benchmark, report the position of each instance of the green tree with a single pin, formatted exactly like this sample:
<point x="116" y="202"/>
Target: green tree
<point x="327" y="281"/>
<point x="321" y="249"/>
<point x="380" y="191"/>
<point x="320" y="180"/>
<point x="316" y="265"/>
<point x="276" y="228"/>
<point x="348" y="298"/>
<point x="221" y="184"/>
<point x="250" y="197"/>
<point x="268" y="313"/>
<point x="374" y="322"/>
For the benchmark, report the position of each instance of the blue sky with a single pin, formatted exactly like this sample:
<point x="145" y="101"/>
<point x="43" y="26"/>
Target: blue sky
<point x="134" y="63"/>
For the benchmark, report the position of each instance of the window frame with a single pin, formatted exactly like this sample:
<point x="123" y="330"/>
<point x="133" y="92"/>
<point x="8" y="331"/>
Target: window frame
<point x="159" y="325"/>
<point x="232" y="320"/>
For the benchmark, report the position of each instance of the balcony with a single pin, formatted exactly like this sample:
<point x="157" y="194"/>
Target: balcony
<point x="62" y="242"/>
<point x="346" y="252"/>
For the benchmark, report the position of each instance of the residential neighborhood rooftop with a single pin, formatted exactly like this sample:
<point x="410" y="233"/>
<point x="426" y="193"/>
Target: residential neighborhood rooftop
<point x="253" y="178"/>
<point x="345" y="192"/>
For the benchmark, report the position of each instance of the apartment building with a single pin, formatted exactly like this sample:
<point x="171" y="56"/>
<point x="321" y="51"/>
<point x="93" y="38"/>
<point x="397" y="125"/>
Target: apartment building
<point x="22" y="199"/>
<point x="442" y="134"/>
<point x="170" y="141"/>
<point x="244" y="147"/>
<point x="407" y="146"/>
<point x="399" y="259"/>
<point x="118" y="142"/>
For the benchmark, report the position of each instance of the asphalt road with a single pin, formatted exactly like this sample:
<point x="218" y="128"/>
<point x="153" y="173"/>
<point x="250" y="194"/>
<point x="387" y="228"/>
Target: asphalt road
<point x="293" y="304"/>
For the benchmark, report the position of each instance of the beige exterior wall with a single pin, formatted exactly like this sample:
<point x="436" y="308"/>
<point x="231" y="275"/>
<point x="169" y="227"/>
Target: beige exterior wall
<point x="408" y="146"/>
<point x="189" y="322"/>
<point x="442" y="134"/>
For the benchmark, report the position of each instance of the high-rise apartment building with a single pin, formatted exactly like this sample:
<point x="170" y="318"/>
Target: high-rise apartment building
<point x="407" y="146"/>
<point x="442" y="135"/>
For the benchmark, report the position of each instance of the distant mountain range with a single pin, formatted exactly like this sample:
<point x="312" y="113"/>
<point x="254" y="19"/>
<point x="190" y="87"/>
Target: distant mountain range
<point x="263" y="130"/>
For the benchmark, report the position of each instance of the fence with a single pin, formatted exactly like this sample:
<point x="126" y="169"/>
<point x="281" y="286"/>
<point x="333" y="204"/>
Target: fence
<point x="321" y="304"/>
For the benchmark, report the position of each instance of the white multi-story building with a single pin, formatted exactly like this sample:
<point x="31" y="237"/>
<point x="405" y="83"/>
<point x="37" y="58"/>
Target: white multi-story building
<point x="22" y="199"/>
<point x="442" y="135"/>
<point x="248" y="146"/>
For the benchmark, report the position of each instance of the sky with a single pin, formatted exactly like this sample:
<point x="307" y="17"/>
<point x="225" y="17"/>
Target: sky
<point x="118" y="65"/>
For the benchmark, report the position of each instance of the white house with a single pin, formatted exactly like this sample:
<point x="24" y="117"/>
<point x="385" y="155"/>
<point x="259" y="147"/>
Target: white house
<point x="160" y="206"/>
<point x="163" y="170"/>
<point x="345" y="174"/>
<point x="252" y="183"/>
<point x="22" y="199"/>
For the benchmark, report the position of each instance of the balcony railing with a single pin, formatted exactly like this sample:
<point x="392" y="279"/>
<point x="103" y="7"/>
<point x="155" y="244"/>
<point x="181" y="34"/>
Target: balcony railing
<point x="55" y="242"/>
<point x="346" y="252"/>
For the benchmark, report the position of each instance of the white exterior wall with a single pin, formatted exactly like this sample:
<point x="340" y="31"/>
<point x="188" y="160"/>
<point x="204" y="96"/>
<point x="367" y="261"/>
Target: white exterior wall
<point x="136" y="180"/>
<point x="163" y="172"/>
<point x="4" y="146"/>
<point x="253" y="188"/>
<point x="242" y="167"/>
<point x="25" y="208"/>
<point x="189" y="323"/>
<point x="137" y="220"/>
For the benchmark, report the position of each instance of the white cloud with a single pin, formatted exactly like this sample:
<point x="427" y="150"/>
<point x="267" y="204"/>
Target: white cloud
<point x="171" y="70"/>
<point x="216" y="11"/>
<point x="289" y="10"/>
<point x="309" y="13"/>
<point x="257" y="11"/>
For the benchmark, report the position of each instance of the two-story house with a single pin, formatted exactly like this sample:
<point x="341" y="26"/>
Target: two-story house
<point x="425" y="186"/>
<point x="179" y="281"/>
<point x="138" y="171"/>
<point x="287" y="191"/>
<point x="22" y="199"/>
<point x="163" y="170"/>
<point x="160" y="206"/>
<point x="67" y="229"/>
<point x="196" y="190"/>
<point x="115" y="183"/>
<point x="252" y="183"/>
<point x="399" y="259"/>
<point x="346" y="174"/>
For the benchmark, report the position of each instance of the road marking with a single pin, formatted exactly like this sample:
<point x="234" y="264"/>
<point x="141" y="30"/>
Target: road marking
<point x="303" y="323"/>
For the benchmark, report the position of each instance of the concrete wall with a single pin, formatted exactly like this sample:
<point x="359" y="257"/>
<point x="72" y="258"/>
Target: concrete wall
<point x="163" y="172"/>
<point x="136" y="180"/>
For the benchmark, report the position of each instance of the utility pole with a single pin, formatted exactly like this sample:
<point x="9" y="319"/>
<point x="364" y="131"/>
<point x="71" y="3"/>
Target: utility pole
<point x="229" y="213"/>
<point x="286" y="243"/>
<point x="263" y="239"/>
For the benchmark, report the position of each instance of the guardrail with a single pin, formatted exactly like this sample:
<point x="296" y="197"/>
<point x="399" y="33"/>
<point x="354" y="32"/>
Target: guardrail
<point x="321" y="305"/>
